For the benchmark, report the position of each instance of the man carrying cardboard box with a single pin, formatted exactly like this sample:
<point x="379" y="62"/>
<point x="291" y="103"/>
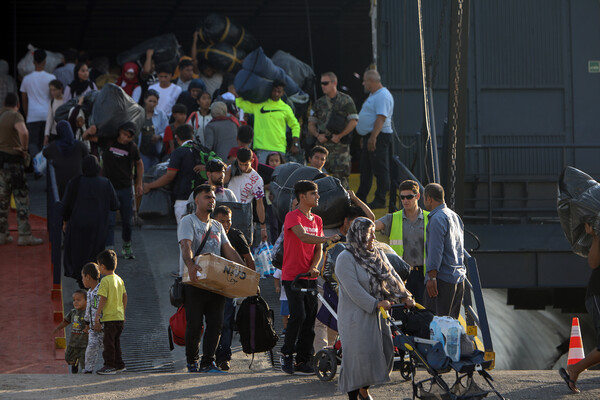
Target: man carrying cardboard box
<point x="201" y="304"/>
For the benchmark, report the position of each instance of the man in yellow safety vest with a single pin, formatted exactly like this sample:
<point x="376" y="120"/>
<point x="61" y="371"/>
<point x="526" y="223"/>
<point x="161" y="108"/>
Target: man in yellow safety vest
<point x="407" y="232"/>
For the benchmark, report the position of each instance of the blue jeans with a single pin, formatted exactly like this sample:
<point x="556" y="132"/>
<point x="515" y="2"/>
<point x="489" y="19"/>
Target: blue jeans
<point x="224" y="349"/>
<point x="126" y="209"/>
<point x="149" y="161"/>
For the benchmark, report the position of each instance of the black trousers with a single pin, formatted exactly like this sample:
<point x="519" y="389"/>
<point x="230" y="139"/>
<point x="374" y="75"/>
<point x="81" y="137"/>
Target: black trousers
<point x="376" y="163"/>
<point x="300" y="332"/>
<point x="202" y="306"/>
<point x="112" y="344"/>
<point x="448" y="300"/>
<point x="416" y="283"/>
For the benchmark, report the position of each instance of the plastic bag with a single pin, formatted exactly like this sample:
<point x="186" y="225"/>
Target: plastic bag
<point x="166" y="51"/>
<point x="112" y="108"/>
<point x="578" y="203"/>
<point x="26" y="66"/>
<point x="264" y="259"/>
<point x="156" y="203"/>
<point x="447" y="331"/>
<point x="333" y="202"/>
<point x="39" y="164"/>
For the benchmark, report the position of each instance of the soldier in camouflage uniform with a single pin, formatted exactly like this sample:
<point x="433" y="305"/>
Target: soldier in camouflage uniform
<point x="14" y="139"/>
<point x="332" y="119"/>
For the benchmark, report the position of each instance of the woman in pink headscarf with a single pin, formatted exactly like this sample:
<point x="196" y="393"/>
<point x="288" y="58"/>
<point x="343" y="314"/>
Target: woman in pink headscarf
<point x="129" y="81"/>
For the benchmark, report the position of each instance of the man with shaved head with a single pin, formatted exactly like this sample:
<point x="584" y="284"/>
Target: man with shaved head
<point x="377" y="146"/>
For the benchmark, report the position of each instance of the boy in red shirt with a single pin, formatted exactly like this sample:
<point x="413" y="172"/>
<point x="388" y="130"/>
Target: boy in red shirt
<point x="302" y="251"/>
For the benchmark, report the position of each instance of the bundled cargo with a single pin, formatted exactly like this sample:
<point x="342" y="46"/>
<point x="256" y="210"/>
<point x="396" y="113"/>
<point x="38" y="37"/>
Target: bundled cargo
<point x="112" y="108"/>
<point x="62" y="112"/>
<point x="578" y="204"/>
<point x="166" y="51"/>
<point x="285" y="177"/>
<point x="254" y="82"/>
<point x="301" y="73"/>
<point x="25" y="65"/>
<point x="333" y="202"/>
<point x="223" y="277"/>
<point x="217" y="28"/>
<point x="222" y="56"/>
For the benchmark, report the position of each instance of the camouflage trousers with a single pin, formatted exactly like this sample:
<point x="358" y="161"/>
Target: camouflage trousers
<point x="13" y="181"/>
<point x="338" y="161"/>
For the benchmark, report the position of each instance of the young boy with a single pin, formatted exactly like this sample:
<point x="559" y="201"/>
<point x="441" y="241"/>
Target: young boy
<point x="75" y="355"/>
<point x="179" y="117"/>
<point x="318" y="157"/>
<point x="90" y="275"/>
<point x="112" y="305"/>
<point x="244" y="140"/>
<point x="168" y="92"/>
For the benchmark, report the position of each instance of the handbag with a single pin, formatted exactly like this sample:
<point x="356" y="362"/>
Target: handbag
<point x="176" y="294"/>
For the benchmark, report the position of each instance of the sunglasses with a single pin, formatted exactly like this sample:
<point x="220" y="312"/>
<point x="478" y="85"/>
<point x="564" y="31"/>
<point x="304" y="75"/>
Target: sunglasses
<point x="408" y="197"/>
<point x="325" y="83"/>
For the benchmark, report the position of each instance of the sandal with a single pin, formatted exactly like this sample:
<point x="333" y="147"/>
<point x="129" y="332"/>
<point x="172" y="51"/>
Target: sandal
<point x="570" y="383"/>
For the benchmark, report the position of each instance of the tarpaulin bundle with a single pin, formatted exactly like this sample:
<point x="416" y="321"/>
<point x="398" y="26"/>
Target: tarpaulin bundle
<point x="217" y="28"/>
<point x="167" y="51"/>
<point x="25" y="65"/>
<point x="578" y="204"/>
<point x="62" y="112"/>
<point x="254" y="82"/>
<point x="301" y="73"/>
<point x="112" y="108"/>
<point x="334" y="201"/>
<point x="222" y="56"/>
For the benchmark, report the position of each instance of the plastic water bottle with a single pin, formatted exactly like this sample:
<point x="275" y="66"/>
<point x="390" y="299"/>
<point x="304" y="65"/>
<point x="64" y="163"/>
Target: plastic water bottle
<point x="453" y="343"/>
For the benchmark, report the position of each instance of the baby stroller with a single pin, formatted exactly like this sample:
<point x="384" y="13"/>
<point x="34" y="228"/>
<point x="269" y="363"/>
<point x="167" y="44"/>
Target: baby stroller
<point x="430" y="355"/>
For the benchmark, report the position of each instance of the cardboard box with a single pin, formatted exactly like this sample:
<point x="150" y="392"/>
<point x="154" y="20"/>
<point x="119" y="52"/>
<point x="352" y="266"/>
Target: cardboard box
<point x="224" y="277"/>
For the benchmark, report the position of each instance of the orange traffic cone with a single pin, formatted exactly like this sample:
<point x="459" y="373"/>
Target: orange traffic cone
<point x="576" y="353"/>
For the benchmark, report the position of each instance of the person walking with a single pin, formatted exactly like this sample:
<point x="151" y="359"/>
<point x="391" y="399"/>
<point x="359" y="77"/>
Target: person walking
<point x="367" y="282"/>
<point x="377" y="147"/>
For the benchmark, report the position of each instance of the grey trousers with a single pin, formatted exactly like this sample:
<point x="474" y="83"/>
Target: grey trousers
<point x="95" y="345"/>
<point x="448" y="300"/>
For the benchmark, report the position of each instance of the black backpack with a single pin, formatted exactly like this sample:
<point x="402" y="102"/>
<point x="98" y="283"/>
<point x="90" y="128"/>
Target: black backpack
<point x="255" y="323"/>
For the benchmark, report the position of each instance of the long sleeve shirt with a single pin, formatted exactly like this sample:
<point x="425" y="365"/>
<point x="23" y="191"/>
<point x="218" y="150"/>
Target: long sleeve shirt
<point x="445" y="245"/>
<point x="270" y="120"/>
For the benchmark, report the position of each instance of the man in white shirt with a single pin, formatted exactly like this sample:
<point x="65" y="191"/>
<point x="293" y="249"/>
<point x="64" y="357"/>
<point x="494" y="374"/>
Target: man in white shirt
<point x="168" y="92"/>
<point x="247" y="185"/>
<point x="35" y="95"/>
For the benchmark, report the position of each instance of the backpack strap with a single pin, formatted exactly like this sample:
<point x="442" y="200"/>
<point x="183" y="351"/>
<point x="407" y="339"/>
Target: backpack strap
<point x="206" y="235"/>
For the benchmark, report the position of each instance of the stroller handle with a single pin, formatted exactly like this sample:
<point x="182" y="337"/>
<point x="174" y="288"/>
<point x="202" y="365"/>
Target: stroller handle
<point x="294" y="285"/>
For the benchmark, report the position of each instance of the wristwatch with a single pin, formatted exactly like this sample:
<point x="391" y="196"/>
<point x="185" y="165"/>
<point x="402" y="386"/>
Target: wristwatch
<point x="432" y="279"/>
<point x="296" y="145"/>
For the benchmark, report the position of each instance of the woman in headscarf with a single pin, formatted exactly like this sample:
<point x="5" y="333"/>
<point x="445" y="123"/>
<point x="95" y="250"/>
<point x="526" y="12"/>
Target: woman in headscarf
<point x="66" y="155"/>
<point x="86" y="205"/>
<point x="129" y="81"/>
<point x="367" y="282"/>
<point x="81" y="83"/>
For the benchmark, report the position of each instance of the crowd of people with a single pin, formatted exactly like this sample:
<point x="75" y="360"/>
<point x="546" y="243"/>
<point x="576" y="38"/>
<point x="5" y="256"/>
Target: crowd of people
<point x="219" y="147"/>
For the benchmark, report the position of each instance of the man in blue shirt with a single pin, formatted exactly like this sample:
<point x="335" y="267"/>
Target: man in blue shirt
<point x="445" y="248"/>
<point x="377" y="147"/>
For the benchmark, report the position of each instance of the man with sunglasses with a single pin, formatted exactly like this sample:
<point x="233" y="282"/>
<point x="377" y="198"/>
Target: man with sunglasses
<point x="332" y="120"/>
<point x="406" y="229"/>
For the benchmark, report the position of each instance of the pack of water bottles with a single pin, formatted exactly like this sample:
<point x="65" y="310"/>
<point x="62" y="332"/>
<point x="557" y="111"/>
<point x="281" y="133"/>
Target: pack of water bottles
<point x="263" y="259"/>
<point x="447" y="331"/>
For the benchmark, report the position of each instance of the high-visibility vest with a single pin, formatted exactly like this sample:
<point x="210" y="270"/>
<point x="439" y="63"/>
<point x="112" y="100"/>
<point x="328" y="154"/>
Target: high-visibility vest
<point x="396" y="234"/>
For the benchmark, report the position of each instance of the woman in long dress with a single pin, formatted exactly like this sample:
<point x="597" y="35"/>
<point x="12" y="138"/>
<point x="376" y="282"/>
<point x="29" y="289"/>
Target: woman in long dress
<point x="367" y="282"/>
<point x="86" y="205"/>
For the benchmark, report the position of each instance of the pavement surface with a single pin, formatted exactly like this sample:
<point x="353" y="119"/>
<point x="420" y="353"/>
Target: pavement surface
<point x="263" y="383"/>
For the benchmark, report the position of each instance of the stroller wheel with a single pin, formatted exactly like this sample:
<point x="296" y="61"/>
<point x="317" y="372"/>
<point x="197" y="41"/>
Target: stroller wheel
<point x="406" y="370"/>
<point x="325" y="364"/>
